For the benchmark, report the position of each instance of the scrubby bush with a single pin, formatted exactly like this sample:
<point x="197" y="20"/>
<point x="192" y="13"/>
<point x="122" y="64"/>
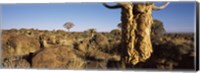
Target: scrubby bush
<point x="101" y="42"/>
<point x="171" y="53"/>
<point x="115" y="32"/>
<point x="157" y="31"/>
<point x="91" y="32"/>
<point x="95" y="47"/>
<point x="157" y="28"/>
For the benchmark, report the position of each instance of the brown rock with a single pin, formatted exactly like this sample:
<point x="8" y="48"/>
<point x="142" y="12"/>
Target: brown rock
<point x="57" y="57"/>
<point x="15" y="63"/>
<point x="19" y="45"/>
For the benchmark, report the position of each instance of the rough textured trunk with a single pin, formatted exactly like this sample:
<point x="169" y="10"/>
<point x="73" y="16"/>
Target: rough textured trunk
<point x="128" y="36"/>
<point x="136" y="28"/>
<point x="143" y="20"/>
<point x="136" y="43"/>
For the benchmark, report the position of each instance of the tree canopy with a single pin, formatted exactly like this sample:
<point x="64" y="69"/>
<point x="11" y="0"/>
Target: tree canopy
<point x="68" y="25"/>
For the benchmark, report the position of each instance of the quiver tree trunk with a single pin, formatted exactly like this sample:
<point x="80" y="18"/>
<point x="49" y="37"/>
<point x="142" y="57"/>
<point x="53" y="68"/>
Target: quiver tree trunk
<point x="136" y="21"/>
<point x="136" y="43"/>
<point x="128" y="36"/>
<point x="143" y="20"/>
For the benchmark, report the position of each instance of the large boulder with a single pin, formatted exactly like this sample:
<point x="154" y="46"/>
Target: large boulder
<point x="19" y="45"/>
<point x="57" y="57"/>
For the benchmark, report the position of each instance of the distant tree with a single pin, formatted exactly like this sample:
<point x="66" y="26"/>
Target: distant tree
<point x="92" y="31"/>
<point x="68" y="25"/>
<point x="119" y="25"/>
<point x="157" y="28"/>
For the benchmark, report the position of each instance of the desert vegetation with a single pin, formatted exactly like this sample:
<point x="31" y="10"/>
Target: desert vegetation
<point x="140" y="42"/>
<point x="32" y="48"/>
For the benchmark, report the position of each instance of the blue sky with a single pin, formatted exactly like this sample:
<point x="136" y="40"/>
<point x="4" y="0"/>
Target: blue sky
<point x="177" y="17"/>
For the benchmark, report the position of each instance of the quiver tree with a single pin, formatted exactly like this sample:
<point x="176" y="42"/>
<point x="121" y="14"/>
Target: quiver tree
<point x="136" y="21"/>
<point x="68" y="25"/>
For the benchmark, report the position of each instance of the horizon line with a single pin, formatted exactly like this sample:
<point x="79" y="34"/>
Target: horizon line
<point x="84" y="30"/>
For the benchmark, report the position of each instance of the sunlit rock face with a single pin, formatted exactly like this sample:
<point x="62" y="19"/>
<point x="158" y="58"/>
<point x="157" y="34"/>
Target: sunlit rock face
<point x="57" y="57"/>
<point x="19" y="45"/>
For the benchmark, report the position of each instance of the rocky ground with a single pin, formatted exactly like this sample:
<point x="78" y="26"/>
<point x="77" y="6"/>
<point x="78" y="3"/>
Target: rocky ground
<point x="30" y="48"/>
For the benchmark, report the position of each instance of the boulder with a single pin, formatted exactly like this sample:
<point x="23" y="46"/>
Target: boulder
<point x="57" y="57"/>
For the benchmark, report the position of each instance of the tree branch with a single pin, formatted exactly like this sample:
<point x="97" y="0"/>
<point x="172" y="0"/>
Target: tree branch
<point x="160" y="7"/>
<point x="112" y="7"/>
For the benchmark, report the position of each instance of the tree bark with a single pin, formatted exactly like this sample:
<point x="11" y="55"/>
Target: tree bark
<point x="128" y="32"/>
<point x="144" y="20"/>
<point x="136" y="21"/>
<point x="136" y="44"/>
